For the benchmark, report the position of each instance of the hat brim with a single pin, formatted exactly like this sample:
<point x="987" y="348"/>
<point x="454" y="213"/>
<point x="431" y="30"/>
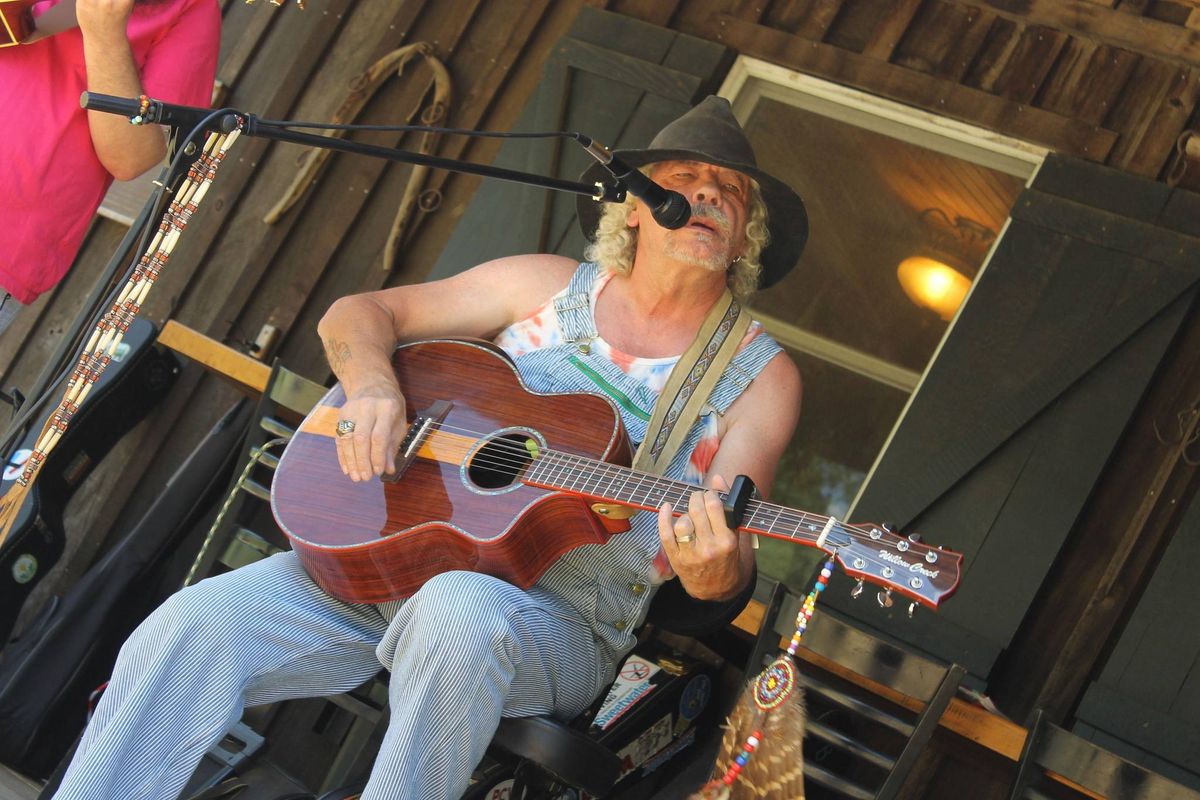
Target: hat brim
<point x="787" y="219"/>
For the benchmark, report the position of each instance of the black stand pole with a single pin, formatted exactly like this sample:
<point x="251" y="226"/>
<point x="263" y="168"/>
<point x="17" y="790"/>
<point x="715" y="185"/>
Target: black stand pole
<point x="167" y="114"/>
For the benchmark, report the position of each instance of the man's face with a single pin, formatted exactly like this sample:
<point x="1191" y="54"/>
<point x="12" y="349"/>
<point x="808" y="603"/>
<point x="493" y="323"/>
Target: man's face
<point x="720" y="199"/>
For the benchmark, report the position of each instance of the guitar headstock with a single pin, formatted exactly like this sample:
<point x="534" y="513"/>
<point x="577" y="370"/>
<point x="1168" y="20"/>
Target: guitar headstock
<point x="903" y="564"/>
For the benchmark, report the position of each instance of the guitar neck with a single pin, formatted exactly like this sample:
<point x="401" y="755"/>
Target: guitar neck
<point x="871" y="553"/>
<point x="599" y="480"/>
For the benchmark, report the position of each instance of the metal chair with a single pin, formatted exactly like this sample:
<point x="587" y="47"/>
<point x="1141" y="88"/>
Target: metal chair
<point x="1083" y="769"/>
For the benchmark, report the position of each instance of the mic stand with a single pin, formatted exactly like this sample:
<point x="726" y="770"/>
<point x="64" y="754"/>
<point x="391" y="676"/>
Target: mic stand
<point x="168" y="114"/>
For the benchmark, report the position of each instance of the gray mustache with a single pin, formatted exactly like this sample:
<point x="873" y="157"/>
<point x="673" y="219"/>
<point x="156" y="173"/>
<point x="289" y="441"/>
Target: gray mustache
<point x="712" y="213"/>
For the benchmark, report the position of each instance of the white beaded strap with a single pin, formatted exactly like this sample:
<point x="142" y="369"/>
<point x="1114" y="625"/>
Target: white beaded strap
<point x="106" y="338"/>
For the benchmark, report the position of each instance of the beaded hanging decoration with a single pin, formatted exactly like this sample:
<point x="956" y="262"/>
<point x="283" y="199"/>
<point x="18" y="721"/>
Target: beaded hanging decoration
<point x="773" y="687"/>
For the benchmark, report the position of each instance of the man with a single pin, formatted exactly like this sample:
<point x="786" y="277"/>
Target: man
<point x="468" y="648"/>
<point x="59" y="159"/>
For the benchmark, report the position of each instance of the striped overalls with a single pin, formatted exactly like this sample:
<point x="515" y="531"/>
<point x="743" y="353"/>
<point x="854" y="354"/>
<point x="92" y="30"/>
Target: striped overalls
<point x="463" y="651"/>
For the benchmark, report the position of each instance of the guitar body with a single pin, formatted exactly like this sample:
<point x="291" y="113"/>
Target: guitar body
<point x="459" y="504"/>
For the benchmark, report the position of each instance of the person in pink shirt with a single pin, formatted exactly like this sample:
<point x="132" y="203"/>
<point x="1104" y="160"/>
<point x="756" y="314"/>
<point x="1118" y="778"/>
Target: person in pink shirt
<point x="59" y="159"/>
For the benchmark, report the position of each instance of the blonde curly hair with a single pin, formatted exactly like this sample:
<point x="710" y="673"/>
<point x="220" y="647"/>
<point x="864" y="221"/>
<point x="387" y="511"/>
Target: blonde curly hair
<point x="614" y="243"/>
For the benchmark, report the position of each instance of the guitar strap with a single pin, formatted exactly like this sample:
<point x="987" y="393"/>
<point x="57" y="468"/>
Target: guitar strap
<point x="690" y="384"/>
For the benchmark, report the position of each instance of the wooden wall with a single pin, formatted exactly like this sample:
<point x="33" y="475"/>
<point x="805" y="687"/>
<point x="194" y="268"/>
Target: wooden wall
<point x="1113" y="81"/>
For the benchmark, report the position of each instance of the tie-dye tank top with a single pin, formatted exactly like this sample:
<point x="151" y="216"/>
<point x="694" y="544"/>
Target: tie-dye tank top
<point x="543" y="331"/>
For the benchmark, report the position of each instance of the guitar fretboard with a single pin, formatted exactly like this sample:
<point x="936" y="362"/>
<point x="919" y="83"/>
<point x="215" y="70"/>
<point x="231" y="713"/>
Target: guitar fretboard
<point x="603" y="481"/>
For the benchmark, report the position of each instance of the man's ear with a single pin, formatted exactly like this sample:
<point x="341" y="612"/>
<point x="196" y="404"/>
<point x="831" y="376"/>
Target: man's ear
<point x="631" y="221"/>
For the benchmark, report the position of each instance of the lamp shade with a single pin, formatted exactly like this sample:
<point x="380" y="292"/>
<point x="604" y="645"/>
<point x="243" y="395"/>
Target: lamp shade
<point x="933" y="284"/>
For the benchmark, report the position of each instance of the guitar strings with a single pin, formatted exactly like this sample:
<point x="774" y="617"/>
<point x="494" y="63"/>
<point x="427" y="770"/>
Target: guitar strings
<point x="514" y="457"/>
<point x="671" y="490"/>
<point x="841" y="534"/>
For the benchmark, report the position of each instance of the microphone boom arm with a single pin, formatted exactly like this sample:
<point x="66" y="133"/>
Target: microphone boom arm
<point x="188" y="117"/>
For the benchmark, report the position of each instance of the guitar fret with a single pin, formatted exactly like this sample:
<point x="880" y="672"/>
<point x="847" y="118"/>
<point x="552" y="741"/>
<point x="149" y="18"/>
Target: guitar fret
<point x="532" y="470"/>
<point x="558" y="475"/>
<point x="579" y="479"/>
<point x="778" y="514"/>
<point x="590" y="484"/>
<point x="635" y="492"/>
<point x="611" y="475"/>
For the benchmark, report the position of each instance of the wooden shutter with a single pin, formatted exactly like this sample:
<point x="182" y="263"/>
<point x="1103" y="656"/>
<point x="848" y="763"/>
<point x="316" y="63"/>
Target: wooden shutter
<point x="1145" y="704"/>
<point x="1005" y="436"/>
<point x="613" y="78"/>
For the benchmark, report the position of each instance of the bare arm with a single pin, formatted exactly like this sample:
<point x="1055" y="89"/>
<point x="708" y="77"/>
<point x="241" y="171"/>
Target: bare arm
<point x="361" y="331"/>
<point x="125" y="150"/>
<point x="717" y="564"/>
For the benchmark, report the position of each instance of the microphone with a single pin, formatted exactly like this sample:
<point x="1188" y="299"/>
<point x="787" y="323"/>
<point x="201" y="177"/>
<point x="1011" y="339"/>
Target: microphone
<point x="158" y="112"/>
<point x="669" y="209"/>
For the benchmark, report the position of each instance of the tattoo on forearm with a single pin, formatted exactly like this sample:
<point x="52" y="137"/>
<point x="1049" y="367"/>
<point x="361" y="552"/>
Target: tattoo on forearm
<point x="338" y="353"/>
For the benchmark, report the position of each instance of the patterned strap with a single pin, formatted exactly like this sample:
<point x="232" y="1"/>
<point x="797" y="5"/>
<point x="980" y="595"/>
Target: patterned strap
<point x="105" y="340"/>
<point x="691" y="382"/>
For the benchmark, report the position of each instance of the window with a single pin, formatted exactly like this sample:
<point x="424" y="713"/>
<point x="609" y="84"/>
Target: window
<point x="882" y="183"/>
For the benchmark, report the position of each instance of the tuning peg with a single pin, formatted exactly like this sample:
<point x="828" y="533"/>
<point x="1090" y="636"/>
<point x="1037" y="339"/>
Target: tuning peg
<point x="890" y="527"/>
<point x="885" y="598"/>
<point x="912" y="609"/>
<point x="857" y="591"/>
<point x="914" y="537"/>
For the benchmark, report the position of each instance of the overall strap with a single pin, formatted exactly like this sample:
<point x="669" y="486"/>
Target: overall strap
<point x="691" y="382"/>
<point x="574" y="307"/>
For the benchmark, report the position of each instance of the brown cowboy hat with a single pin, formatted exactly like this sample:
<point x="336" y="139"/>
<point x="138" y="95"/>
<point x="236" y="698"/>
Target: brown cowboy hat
<point x="711" y="134"/>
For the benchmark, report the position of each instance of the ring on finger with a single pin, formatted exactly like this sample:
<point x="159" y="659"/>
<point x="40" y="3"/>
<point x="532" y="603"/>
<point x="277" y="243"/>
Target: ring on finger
<point x="345" y="427"/>
<point x="689" y="535"/>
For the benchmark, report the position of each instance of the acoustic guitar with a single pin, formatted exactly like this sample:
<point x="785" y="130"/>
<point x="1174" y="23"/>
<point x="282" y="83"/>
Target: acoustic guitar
<point x="493" y="477"/>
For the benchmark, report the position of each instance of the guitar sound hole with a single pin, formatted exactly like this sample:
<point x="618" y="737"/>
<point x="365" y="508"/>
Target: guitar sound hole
<point x="497" y="463"/>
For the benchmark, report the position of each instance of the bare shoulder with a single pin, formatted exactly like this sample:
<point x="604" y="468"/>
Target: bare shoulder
<point x="772" y="401"/>
<point x="480" y="301"/>
<point x="536" y="276"/>
<point x="760" y="423"/>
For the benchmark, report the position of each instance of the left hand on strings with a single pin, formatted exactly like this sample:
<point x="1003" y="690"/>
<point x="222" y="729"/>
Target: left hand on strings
<point x="710" y="563"/>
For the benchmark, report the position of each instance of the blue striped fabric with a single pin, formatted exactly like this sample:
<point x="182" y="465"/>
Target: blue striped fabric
<point x="463" y="651"/>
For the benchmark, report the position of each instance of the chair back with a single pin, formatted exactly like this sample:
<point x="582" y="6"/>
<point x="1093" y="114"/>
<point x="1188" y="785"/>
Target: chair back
<point x="1056" y="761"/>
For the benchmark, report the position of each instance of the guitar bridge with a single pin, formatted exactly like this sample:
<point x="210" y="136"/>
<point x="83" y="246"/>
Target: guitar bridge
<point x="422" y="425"/>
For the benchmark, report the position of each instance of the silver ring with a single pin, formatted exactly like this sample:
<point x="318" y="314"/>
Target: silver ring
<point x="685" y="539"/>
<point x="345" y="427"/>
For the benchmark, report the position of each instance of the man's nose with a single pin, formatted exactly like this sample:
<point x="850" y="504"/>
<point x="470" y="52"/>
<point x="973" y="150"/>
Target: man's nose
<point x="707" y="189"/>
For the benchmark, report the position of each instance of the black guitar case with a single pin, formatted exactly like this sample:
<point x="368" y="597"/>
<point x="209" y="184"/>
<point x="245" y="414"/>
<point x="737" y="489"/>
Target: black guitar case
<point x="136" y="379"/>
<point x="47" y="675"/>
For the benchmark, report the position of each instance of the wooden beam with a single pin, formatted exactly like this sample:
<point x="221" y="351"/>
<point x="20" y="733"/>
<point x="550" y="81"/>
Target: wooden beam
<point x="972" y="722"/>
<point x="909" y="86"/>
<point x="246" y="373"/>
<point x="887" y="33"/>
<point x="1088" y="20"/>
<point x="821" y="16"/>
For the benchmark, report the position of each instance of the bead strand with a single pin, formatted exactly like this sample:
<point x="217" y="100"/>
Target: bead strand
<point x="777" y="681"/>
